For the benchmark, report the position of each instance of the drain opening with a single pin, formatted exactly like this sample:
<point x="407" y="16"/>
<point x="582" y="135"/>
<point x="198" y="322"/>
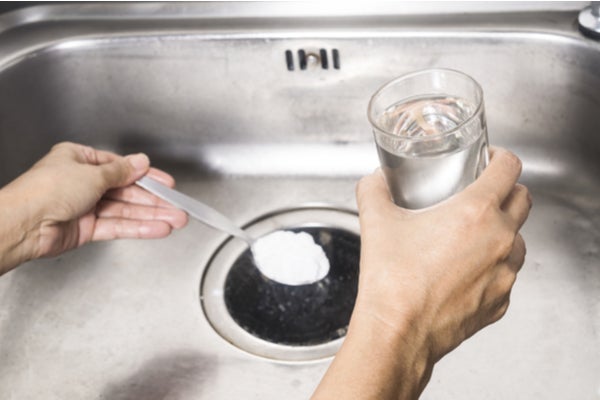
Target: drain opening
<point x="312" y="58"/>
<point x="297" y="315"/>
<point x="289" y="60"/>
<point x="324" y="61"/>
<point x="277" y="321"/>
<point x="302" y="59"/>
<point x="336" y="58"/>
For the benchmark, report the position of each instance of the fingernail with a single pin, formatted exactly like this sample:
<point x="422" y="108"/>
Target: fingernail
<point x="140" y="162"/>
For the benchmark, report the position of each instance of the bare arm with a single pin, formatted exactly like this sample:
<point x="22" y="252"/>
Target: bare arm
<point x="77" y="194"/>
<point x="429" y="280"/>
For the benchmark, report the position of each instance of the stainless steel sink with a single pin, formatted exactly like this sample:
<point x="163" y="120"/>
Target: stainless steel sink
<point x="206" y="91"/>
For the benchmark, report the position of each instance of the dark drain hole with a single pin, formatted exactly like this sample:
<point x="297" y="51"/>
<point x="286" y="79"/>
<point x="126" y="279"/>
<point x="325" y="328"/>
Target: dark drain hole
<point x="303" y="59"/>
<point x="297" y="315"/>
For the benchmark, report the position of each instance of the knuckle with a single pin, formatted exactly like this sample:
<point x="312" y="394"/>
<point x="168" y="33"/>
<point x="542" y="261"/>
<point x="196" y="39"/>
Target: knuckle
<point x="504" y="243"/>
<point x="518" y="248"/>
<point x="488" y="202"/>
<point x="89" y="154"/>
<point x="523" y="192"/>
<point x="479" y="209"/>
<point x="520" y="243"/>
<point x="501" y="311"/>
<point x="507" y="280"/>
<point x="519" y="190"/>
<point x="472" y="304"/>
<point x="512" y="161"/>
<point x="518" y="258"/>
<point x="503" y="308"/>
<point x="62" y="145"/>
<point x="498" y="309"/>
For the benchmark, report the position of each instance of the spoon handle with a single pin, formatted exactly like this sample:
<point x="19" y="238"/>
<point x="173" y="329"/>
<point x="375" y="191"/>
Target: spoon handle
<point x="194" y="208"/>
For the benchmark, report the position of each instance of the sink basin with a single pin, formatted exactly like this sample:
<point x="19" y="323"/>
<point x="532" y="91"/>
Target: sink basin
<point x="235" y="101"/>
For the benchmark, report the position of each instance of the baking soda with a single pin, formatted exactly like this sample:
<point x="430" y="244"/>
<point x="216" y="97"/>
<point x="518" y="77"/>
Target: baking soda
<point x="290" y="258"/>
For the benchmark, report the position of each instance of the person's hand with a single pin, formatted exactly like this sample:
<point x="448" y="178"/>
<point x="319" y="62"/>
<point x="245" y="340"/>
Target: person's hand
<point x="430" y="278"/>
<point x="77" y="194"/>
<point x="451" y="267"/>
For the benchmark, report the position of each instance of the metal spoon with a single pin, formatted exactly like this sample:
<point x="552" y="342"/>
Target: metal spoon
<point x="285" y="269"/>
<point x="194" y="208"/>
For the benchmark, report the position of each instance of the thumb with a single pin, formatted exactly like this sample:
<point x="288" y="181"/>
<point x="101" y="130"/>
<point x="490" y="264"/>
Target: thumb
<point x="372" y="193"/>
<point x="124" y="171"/>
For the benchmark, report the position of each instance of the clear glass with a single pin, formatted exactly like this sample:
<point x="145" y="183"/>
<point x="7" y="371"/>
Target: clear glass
<point x="431" y="135"/>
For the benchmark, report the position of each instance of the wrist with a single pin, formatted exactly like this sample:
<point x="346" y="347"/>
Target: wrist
<point x="400" y="348"/>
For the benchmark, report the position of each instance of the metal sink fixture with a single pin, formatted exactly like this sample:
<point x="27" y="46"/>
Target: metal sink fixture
<point x="260" y="111"/>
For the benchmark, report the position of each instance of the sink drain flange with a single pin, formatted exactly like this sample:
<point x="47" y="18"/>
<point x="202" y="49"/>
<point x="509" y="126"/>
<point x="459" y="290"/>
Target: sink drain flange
<point x="292" y="323"/>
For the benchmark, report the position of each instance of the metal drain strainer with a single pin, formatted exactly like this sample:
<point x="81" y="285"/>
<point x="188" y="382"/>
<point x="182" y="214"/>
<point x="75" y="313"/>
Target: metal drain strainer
<point x="272" y="320"/>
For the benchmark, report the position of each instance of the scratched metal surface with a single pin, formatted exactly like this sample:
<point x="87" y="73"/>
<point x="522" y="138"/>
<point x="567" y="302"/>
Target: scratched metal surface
<point x="208" y="95"/>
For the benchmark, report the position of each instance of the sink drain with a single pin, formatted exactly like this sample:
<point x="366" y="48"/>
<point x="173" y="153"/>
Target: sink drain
<point x="278" y="321"/>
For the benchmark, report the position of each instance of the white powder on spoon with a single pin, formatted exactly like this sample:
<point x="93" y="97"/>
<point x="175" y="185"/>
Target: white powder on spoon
<point x="290" y="258"/>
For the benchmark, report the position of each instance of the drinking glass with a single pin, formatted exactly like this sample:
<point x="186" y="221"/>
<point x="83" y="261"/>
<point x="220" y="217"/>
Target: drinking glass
<point x="431" y="135"/>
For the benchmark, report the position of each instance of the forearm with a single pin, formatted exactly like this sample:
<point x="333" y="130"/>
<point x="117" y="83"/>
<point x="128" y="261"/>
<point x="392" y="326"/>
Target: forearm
<point x="377" y="362"/>
<point x="17" y="230"/>
<point x="428" y="281"/>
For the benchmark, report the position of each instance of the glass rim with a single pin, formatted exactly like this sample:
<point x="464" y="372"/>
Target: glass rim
<point x="391" y="135"/>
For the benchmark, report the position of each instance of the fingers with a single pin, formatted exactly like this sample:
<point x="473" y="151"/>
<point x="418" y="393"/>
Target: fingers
<point x="516" y="258"/>
<point x="498" y="178"/>
<point x="124" y="170"/>
<point x="504" y="278"/>
<point x="136" y="195"/>
<point x="496" y="296"/>
<point x="93" y="156"/>
<point x="118" y="209"/>
<point x="115" y="170"/>
<point x="517" y="206"/>
<point x="132" y="212"/>
<point x="118" y="228"/>
<point x="162" y="177"/>
<point x="86" y="154"/>
<point x="500" y="309"/>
